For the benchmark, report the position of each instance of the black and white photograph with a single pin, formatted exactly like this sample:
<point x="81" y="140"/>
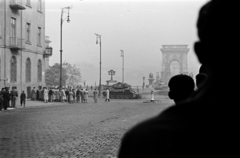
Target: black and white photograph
<point x="119" y="78"/>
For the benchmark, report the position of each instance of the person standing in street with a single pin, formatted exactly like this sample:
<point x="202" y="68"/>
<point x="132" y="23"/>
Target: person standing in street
<point x="34" y="94"/>
<point x="14" y="95"/>
<point x="50" y="94"/>
<point x="23" y="99"/>
<point x="6" y="98"/>
<point x="82" y="96"/>
<point x="152" y="96"/>
<point x="95" y="95"/>
<point x="62" y="95"/>
<point x="107" y="96"/>
<point x="45" y="95"/>
<point x="78" y="95"/>
<point x="86" y="95"/>
<point x="70" y="96"/>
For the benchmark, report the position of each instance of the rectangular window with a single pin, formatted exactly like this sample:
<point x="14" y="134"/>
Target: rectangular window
<point x="39" y="36"/>
<point x="40" y="5"/>
<point x="28" y="33"/>
<point x="13" y="27"/>
<point x="13" y="32"/>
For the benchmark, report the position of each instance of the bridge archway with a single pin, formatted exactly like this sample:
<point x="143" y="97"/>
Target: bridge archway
<point x="171" y="55"/>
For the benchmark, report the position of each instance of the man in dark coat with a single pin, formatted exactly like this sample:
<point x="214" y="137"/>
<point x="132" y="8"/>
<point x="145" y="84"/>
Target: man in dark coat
<point x="205" y="125"/>
<point x="23" y="99"/>
<point x="6" y="98"/>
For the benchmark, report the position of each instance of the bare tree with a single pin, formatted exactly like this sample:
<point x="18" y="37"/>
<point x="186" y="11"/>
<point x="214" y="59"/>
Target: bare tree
<point x="74" y="75"/>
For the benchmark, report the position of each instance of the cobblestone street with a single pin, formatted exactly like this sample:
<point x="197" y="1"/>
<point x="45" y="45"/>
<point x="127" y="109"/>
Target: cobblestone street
<point x="62" y="130"/>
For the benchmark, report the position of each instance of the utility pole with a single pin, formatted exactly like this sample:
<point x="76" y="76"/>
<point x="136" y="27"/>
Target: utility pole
<point x="61" y="23"/>
<point x="122" y="55"/>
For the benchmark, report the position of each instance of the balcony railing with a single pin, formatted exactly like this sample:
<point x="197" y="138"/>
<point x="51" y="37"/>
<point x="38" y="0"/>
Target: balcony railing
<point x="17" y="43"/>
<point x="17" y="4"/>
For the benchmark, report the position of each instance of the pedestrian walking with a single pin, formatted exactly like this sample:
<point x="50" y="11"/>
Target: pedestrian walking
<point x="95" y="95"/>
<point x="23" y="99"/>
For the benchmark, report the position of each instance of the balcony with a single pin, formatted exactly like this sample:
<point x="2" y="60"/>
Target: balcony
<point x="47" y="52"/>
<point x="17" y="5"/>
<point x="17" y="43"/>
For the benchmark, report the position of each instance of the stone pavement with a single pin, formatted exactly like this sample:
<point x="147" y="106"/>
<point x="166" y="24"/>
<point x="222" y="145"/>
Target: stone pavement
<point x="58" y="130"/>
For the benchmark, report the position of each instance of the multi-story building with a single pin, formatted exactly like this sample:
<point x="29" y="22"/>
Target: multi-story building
<point x="23" y="49"/>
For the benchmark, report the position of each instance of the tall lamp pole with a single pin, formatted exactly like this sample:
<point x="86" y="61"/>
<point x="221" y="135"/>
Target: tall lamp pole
<point x="98" y="37"/>
<point x="61" y="23"/>
<point x="122" y="55"/>
<point x="143" y="82"/>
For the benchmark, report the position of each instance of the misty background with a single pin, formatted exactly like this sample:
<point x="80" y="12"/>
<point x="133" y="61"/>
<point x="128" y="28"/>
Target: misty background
<point x="140" y="28"/>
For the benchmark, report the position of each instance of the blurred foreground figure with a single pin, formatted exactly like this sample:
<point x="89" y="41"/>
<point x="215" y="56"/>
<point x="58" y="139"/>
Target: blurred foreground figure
<point x="180" y="87"/>
<point x="206" y="125"/>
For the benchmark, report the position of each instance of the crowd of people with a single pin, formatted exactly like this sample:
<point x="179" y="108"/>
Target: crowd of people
<point x="8" y="97"/>
<point x="69" y="95"/>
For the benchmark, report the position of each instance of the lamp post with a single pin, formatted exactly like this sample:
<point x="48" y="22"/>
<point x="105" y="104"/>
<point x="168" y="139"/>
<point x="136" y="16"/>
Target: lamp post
<point x="61" y="23"/>
<point x="122" y="55"/>
<point x="143" y="82"/>
<point x="111" y="73"/>
<point x="98" y="37"/>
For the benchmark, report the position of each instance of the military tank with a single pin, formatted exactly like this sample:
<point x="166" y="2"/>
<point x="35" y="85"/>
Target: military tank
<point x="123" y="91"/>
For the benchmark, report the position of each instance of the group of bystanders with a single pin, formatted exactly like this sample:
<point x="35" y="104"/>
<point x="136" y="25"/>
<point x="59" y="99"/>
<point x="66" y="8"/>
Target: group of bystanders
<point x="8" y="98"/>
<point x="69" y="95"/>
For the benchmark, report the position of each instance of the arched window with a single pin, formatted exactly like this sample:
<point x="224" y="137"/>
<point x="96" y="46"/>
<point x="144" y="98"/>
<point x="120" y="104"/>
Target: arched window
<point x="28" y="70"/>
<point x="39" y="70"/>
<point x="13" y="70"/>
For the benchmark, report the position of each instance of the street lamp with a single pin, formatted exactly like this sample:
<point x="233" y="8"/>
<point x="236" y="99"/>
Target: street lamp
<point x="98" y="37"/>
<point x="61" y="22"/>
<point x="111" y="73"/>
<point x="122" y="55"/>
<point x="143" y="82"/>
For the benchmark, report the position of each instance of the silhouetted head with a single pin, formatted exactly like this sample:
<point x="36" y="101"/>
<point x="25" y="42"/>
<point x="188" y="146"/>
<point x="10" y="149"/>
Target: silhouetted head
<point x="180" y="86"/>
<point x="217" y="27"/>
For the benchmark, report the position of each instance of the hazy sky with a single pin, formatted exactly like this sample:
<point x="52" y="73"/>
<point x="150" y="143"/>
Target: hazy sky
<point x="140" y="28"/>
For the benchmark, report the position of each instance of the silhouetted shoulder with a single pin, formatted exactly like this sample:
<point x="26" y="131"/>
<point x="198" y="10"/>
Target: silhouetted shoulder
<point x="151" y="136"/>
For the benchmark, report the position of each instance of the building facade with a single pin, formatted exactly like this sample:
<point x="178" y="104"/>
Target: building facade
<point x="23" y="48"/>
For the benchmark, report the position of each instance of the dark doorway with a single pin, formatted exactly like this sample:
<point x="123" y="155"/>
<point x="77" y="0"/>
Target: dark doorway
<point x="29" y="94"/>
